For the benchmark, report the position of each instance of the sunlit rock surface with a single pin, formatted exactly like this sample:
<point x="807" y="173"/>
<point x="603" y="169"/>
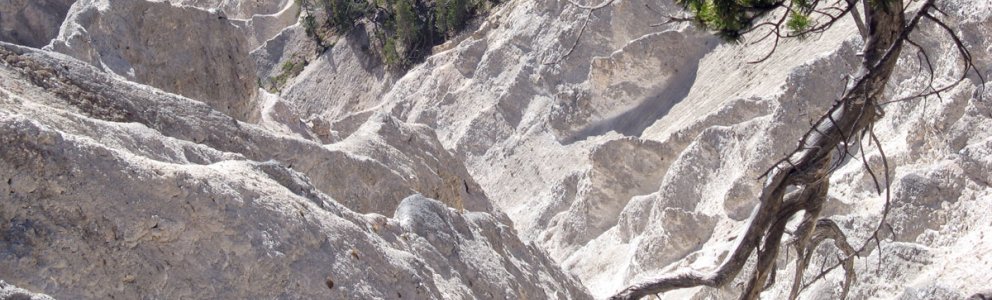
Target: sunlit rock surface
<point x="561" y="164"/>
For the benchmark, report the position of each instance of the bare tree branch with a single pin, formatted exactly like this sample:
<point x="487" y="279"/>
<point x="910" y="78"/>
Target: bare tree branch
<point x="858" y="21"/>
<point x="568" y="52"/>
<point x="808" y="167"/>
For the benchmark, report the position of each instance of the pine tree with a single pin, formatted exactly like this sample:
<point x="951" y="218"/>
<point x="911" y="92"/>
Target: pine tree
<point x="407" y="23"/>
<point x="452" y="15"/>
<point x="343" y="14"/>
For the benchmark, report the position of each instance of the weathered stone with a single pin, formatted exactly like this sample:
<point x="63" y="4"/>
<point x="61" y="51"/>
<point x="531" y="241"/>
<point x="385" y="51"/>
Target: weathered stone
<point x="115" y="189"/>
<point x="183" y="50"/>
<point x="32" y="23"/>
<point x="635" y="152"/>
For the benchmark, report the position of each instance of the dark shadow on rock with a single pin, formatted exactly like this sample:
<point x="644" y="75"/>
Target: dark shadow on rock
<point x="634" y="121"/>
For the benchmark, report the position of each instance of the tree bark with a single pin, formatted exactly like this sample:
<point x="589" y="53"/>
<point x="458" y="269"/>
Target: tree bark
<point x="809" y="166"/>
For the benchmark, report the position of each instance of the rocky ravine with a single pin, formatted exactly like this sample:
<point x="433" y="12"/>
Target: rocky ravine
<point x="632" y="154"/>
<point x="117" y="190"/>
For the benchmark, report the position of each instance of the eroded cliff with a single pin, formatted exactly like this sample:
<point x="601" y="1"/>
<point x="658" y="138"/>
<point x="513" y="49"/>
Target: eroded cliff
<point x="558" y="141"/>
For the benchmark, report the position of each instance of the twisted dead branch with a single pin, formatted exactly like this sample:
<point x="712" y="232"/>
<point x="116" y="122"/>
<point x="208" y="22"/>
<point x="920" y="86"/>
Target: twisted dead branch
<point x="819" y="152"/>
<point x="582" y="29"/>
<point x="585" y="22"/>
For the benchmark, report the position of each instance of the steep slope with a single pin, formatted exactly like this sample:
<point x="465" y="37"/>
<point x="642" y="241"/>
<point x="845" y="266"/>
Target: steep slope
<point x="640" y="145"/>
<point x="621" y="147"/>
<point x="32" y="23"/>
<point x="238" y="9"/>
<point x="183" y="50"/>
<point x="117" y="189"/>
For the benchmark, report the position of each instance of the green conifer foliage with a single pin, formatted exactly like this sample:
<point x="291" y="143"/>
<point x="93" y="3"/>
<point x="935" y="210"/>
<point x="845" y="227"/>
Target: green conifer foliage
<point x="731" y="18"/>
<point x="343" y="14"/>
<point x="451" y="15"/>
<point x="408" y="25"/>
<point x="404" y="29"/>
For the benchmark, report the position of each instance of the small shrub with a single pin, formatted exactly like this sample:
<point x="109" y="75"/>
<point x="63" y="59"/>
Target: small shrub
<point x="408" y="28"/>
<point x="451" y="15"/>
<point x="404" y="29"/>
<point x="343" y="14"/>
<point x="390" y="56"/>
<point x="290" y="69"/>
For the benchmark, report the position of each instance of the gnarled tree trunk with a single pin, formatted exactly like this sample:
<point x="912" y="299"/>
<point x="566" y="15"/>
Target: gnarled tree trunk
<point x="808" y="169"/>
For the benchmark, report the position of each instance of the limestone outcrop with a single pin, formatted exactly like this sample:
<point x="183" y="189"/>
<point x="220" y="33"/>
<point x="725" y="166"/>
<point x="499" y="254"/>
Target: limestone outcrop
<point x="183" y="50"/>
<point x="238" y="9"/>
<point x="547" y="151"/>
<point x="114" y="189"/>
<point x="8" y="291"/>
<point x="621" y="177"/>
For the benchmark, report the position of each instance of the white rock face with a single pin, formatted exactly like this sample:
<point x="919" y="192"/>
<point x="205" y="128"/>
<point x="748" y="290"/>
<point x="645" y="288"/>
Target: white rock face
<point x="635" y="152"/>
<point x="238" y="9"/>
<point x="341" y="86"/>
<point x="183" y="50"/>
<point x="117" y="189"/>
<point x="638" y="152"/>
<point x="8" y="291"/>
